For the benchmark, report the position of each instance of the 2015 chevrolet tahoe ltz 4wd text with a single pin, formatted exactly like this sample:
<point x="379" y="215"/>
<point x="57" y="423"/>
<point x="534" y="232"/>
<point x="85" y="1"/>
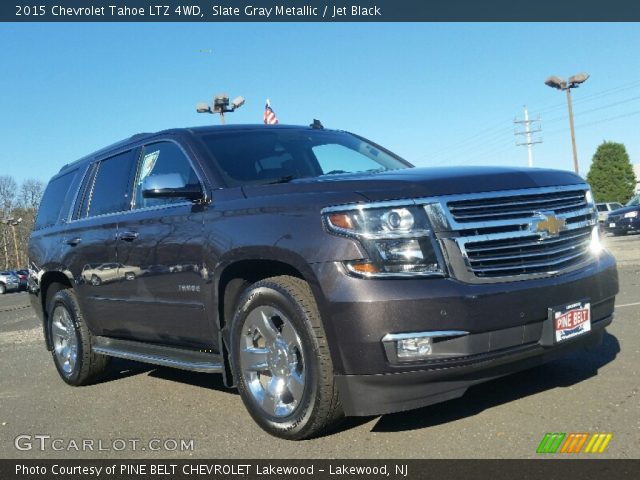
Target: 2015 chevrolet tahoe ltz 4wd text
<point x="318" y="272"/>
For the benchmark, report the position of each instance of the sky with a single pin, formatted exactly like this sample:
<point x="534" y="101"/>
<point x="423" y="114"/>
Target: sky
<point x="434" y="93"/>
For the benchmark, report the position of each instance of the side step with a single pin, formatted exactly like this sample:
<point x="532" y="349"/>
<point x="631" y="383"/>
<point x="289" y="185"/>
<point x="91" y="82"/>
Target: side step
<point x="159" y="355"/>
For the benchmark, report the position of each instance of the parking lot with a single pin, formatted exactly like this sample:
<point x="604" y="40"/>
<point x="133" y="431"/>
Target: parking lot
<point x="505" y="418"/>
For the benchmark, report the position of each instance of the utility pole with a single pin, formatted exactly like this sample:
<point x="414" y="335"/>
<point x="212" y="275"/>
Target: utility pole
<point x="529" y="128"/>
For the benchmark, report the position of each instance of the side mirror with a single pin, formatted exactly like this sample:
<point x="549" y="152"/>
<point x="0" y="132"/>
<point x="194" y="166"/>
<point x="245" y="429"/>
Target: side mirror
<point x="170" y="185"/>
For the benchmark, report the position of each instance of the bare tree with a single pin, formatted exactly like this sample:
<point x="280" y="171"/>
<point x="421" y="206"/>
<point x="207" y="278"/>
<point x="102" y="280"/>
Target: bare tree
<point x="8" y="189"/>
<point x="18" y="208"/>
<point x="31" y="193"/>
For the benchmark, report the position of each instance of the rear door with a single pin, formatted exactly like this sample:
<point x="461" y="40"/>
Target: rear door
<point x="160" y="259"/>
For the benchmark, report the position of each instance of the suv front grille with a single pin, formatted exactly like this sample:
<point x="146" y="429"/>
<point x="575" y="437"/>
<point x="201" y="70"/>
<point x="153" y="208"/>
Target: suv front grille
<point x="522" y="234"/>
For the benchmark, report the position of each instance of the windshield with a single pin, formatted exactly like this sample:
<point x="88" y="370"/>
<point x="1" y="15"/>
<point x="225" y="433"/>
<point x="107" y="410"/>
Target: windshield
<point x="281" y="155"/>
<point x="634" y="201"/>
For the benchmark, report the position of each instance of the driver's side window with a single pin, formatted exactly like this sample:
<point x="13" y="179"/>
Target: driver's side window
<point x="162" y="158"/>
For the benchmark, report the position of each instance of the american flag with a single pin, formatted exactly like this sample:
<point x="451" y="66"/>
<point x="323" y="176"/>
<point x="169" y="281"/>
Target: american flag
<point x="269" y="116"/>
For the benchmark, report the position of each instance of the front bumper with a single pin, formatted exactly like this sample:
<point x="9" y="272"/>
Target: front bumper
<point x="505" y="322"/>
<point x="364" y="395"/>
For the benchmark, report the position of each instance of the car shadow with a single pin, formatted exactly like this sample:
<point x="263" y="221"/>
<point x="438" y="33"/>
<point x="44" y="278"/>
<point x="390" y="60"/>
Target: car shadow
<point x="196" y="379"/>
<point x="119" y="369"/>
<point x="565" y="372"/>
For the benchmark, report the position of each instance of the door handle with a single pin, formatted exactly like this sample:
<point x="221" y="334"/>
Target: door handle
<point x="73" y="241"/>
<point x="128" y="236"/>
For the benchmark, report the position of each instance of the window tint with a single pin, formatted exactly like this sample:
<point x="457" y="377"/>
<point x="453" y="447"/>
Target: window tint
<point x="161" y="158"/>
<point x="112" y="185"/>
<point x="52" y="200"/>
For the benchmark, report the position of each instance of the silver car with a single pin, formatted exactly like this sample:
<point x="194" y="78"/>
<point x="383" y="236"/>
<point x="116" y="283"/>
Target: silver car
<point x="8" y="281"/>
<point x="604" y="208"/>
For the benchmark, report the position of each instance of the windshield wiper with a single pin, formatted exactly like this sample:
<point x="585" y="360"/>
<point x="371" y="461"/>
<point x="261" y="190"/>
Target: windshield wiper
<point x="285" y="179"/>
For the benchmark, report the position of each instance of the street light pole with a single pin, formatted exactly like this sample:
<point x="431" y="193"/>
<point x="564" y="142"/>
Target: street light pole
<point x="574" y="82"/>
<point x="220" y="105"/>
<point x="13" y="223"/>
<point x="573" y="132"/>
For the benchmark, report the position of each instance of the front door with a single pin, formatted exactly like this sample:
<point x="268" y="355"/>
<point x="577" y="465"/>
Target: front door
<point x="160" y="260"/>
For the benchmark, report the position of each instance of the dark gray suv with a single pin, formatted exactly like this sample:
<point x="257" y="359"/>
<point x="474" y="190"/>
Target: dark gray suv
<point x="319" y="273"/>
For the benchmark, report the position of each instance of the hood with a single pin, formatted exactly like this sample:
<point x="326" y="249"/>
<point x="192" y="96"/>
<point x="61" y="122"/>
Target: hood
<point x="623" y="210"/>
<point x="422" y="182"/>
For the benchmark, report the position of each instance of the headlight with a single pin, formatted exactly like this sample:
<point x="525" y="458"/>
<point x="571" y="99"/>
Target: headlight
<point x="398" y="240"/>
<point x="588" y="196"/>
<point x="633" y="214"/>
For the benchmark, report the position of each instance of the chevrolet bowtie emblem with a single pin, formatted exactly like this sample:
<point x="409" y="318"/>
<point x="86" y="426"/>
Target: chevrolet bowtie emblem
<point x="548" y="225"/>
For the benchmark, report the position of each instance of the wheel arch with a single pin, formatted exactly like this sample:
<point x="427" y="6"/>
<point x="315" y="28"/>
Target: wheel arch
<point x="234" y="275"/>
<point x="50" y="283"/>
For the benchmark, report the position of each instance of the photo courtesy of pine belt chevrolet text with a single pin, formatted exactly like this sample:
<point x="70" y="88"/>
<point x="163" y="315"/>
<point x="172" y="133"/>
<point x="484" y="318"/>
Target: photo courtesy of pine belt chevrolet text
<point x="319" y="273"/>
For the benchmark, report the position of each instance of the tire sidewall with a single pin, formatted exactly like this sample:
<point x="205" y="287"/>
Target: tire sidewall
<point x="62" y="298"/>
<point x="282" y="301"/>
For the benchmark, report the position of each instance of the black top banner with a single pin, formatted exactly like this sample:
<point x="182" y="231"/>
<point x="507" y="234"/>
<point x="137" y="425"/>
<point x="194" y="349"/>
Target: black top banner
<point x="319" y="11"/>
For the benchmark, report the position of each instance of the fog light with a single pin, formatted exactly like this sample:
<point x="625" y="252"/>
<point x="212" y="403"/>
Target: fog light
<point x="413" y="348"/>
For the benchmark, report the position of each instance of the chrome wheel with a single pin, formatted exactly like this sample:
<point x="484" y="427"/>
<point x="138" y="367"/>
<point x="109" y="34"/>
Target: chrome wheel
<point x="272" y="361"/>
<point x="65" y="340"/>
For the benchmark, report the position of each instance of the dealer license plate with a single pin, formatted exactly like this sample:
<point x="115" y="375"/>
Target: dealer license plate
<point x="571" y="321"/>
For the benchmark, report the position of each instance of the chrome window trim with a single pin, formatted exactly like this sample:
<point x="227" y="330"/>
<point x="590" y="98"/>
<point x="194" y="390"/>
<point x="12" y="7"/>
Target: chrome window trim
<point x="97" y="160"/>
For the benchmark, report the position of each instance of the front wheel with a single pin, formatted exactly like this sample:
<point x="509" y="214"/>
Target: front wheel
<point x="281" y="360"/>
<point x="3" y="289"/>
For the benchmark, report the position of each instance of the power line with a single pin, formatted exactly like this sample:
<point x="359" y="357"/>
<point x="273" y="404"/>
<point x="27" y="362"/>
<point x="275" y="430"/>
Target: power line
<point x="598" y="122"/>
<point x="496" y="131"/>
<point x="596" y="109"/>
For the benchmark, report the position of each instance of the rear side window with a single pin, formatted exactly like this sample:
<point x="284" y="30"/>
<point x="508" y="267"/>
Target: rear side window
<point x="53" y="200"/>
<point x="112" y="185"/>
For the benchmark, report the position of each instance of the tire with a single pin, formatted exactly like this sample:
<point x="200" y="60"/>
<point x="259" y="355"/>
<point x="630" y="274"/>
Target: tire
<point x="3" y="289"/>
<point x="281" y="362"/>
<point x="96" y="281"/>
<point x="72" y="353"/>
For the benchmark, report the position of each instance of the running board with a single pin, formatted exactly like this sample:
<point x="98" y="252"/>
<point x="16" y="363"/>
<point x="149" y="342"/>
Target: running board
<point x="159" y="355"/>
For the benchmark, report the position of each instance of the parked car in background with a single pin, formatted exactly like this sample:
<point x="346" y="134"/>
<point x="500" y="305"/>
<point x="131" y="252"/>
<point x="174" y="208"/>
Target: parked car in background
<point x="604" y="208"/>
<point x="23" y="276"/>
<point x="9" y="281"/>
<point x="624" y="220"/>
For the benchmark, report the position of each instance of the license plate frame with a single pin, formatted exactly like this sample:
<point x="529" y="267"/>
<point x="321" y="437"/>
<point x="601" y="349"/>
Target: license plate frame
<point x="571" y="321"/>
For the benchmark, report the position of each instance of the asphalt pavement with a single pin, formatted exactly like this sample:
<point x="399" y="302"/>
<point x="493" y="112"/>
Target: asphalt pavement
<point x="141" y="411"/>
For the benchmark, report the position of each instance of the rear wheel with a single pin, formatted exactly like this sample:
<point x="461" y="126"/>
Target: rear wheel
<point x="281" y="359"/>
<point x="71" y="339"/>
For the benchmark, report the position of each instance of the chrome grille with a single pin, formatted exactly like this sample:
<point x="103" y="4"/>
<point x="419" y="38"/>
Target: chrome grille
<point x="524" y="234"/>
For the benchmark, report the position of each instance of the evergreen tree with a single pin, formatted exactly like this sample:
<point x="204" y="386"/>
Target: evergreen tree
<point x="611" y="174"/>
